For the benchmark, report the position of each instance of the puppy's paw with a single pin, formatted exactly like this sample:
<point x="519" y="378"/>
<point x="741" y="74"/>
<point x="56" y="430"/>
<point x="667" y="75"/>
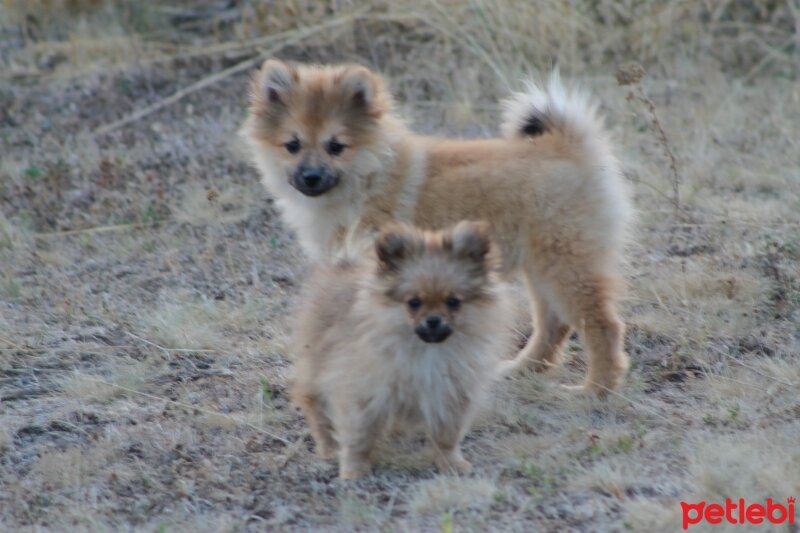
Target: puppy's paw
<point x="605" y="380"/>
<point x="578" y="390"/>
<point x="354" y="473"/>
<point x="522" y="364"/>
<point x="461" y="466"/>
<point x="541" y="366"/>
<point x="453" y="465"/>
<point x="587" y="389"/>
<point x="326" y="453"/>
<point x="507" y="367"/>
<point x="353" y="465"/>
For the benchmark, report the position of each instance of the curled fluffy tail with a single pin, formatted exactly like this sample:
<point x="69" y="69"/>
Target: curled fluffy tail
<point x="552" y="109"/>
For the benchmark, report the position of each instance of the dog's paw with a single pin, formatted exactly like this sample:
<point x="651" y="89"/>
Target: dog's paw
<point x="461" y="466"/>
<point x="522" y="364"/>
<point x="353" y="473"/>
<point x="507" y="367"/>
<point x="354" y="467"/>
<point x="454" y="465"/>
<point x="326" y="454"/>
<point x="586" y="390"/>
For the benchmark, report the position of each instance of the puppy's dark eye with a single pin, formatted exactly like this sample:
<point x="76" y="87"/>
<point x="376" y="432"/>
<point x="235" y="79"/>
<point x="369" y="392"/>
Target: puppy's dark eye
<point x="452" y="303"/>
<point x="414" y="304"/>
<point x="335" y="147"/>
<point x="292" y="146"/>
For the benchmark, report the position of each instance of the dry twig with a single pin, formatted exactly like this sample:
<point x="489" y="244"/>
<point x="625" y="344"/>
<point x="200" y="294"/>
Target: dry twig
<point x="219" y="76"/>
<point x="631" y="74"/>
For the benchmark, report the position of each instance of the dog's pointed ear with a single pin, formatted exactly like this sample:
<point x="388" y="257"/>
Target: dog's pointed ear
<point x="395" y="244"/>
<point x="364" y="89"/>
<point x="471" y="240"/>
<point x="275" y="80"/>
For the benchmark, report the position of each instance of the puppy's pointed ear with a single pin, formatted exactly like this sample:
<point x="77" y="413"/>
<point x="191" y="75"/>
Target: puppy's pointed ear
<point x="471" y="240"/>
<point x="364" y="89"/>
<point x="395" y="244"/>
<point x="275" y="81"/>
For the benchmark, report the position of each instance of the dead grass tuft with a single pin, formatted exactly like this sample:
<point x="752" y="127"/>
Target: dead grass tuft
<point x="446" y="494"/>
<point x="82" y="387"/>
<point x="759" y="465"/>
<point x="201" y="325"/>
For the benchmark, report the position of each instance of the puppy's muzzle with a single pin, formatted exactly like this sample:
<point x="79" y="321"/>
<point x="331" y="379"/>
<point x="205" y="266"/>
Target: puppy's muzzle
<point x="433" y="329"/>
<point x="314" y="181"/>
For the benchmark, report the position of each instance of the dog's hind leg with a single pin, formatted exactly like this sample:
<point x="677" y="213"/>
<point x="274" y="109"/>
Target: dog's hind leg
<point x="550" y="331"/>
<point x="589" y="301"/>
<point x="571" y="294"/>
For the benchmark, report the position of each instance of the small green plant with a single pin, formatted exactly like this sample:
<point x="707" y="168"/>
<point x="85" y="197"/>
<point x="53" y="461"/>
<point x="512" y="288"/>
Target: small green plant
<point x="6" y="234"/>
<point x="33" y="171"/>
<point x="60" y="169"/>
<point x="623" y="444"/>
<point x="150" y="216"/>
<point x="10" y="289"/>
<point x="542" y="483"/>
<point x="125" y="86"/>
<point x="25" y="220"/>
<point x="266" y="392"/>
<point x="446" y="523"/>
<point x="593" y="450"/>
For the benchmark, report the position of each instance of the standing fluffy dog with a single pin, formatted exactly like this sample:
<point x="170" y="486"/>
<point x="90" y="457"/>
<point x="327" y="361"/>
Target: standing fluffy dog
<point x="341" y="164"/>
<point x="414" y="337"/>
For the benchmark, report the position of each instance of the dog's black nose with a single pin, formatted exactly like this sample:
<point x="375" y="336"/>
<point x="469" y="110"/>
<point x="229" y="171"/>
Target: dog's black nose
<point x="433" y="329"/>
<point x="314" y="181"/>
<point x="311" y="179"/>
<point x="433" y="321"/>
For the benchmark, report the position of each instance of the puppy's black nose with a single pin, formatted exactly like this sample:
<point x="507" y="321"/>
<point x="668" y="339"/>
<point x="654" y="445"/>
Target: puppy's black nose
<point x="433" y="321"/>
<point x="311" y="179"/>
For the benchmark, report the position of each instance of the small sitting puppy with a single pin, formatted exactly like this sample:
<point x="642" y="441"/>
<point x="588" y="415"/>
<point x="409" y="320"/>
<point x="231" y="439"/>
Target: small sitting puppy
<point x="414" y="336"/>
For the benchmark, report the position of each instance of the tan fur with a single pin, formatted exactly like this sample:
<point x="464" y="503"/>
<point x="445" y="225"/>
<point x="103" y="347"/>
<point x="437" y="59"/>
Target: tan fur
<point x="555" y="201"/>
<point x="361" y="366"/>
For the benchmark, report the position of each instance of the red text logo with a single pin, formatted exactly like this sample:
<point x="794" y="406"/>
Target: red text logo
<point x="738" y="512"/>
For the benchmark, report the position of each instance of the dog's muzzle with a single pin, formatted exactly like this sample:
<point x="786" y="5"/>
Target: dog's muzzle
<point x="314" y="181"/>
<point x="433" y="329"/>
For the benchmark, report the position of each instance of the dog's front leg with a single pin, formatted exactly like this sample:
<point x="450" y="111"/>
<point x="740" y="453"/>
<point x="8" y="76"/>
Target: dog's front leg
<point x="446" y="444"/>
<point x="356" y="440"/>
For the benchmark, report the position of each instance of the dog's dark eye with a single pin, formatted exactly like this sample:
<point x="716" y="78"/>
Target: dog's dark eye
<point x="335" y="147"/>
<point x="292" y="146"/>
<point x="414" y="304"/>
<point x="452" y="302"/>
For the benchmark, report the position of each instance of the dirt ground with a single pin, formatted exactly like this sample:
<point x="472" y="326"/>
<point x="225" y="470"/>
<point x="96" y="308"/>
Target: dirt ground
<point x="146" y="280"/>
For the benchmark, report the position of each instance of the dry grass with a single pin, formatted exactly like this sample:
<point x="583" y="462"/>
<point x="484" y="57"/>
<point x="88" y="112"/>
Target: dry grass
<point x="449" y="494"/>
<point x="145" y="277"/>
